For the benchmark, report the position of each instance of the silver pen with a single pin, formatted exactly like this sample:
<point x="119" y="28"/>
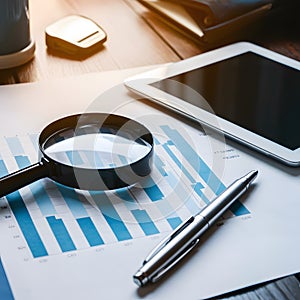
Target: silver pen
<point x="186" y="236"/>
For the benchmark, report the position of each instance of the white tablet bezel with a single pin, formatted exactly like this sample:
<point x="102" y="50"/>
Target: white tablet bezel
<point x="141" y="85"/>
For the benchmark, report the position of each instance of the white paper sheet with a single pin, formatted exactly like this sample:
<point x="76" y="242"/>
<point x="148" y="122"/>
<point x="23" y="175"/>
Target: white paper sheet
<point x="257" y="243"/>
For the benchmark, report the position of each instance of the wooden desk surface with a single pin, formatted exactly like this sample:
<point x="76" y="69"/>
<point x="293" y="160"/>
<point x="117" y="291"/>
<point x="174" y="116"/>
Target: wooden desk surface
<point x="137" y="37"/>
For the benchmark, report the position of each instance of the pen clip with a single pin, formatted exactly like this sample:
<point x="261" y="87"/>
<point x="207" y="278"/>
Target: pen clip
<point x="175" y="261"/>
<point x="168" y="238"/>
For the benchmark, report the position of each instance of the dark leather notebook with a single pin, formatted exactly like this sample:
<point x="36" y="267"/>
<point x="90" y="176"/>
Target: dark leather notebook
<point x="216" y="21"/>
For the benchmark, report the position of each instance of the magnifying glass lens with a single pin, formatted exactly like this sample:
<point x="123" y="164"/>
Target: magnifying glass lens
<point x="100" y="150"/>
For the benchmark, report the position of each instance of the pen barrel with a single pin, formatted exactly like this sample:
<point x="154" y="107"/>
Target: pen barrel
<point x="220" y="204"/>
<point x="186" y="236"/>
<point x="174" y="249"/>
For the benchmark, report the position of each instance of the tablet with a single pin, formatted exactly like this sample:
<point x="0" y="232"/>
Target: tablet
<point x="249" y="93"/>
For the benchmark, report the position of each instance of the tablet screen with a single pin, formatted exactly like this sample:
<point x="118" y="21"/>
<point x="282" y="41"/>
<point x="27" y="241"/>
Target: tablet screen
<point x="252" y="91"/>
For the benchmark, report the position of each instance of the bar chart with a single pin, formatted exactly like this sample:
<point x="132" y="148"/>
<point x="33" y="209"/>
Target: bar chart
<point x="54" y="219"/>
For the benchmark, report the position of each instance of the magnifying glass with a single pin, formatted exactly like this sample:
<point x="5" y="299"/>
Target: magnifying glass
<point x="90" y="151"/>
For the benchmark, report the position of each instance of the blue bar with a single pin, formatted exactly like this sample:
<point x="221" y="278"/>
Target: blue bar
<point x="181" y="192"/>
<point x="71" y="198"/>
<point x="187" y="199"/>
<point x="41" y="197"/>
<point x="198" y="189"/>
<point x="152" y="190"/>
<point x="123" y="159"/>
<point x="178" y="163"/>
<point x="164" y="206"/>
<point x="195" y="160"/>
<point x="239" y="209"/>
<point x="5" y="289"/>
<point x="160" y="165"/>
<point x="94" y="159"/>
<point x="24" y="220"/>
<point x="34" y="139"/>
<point x="127" y="198"/>
<point x="90" y="231"/>
<point x="97" y="160"/>
<point x="200" y="166"/>
<point x="26" y="224"/>
<point x="111" y="216"/>
<point x="124" y="194"/>
<point x="61" y="234"/>
<point x="156" y="141"/>
<point x="145" y="222"/>
<point x="74" y="158"/>
<point x="22" y="161"/>
<point x="118" y="227"/>
<point x="15" y="145"/>
<point x="3" y="169"/>
<point x="90" y="157"/>
<point x="192" y="205"/>
<point x="174" y="222"/>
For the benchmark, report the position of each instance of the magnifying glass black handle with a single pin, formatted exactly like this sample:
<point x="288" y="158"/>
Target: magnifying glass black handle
<point x="21" y="178"/>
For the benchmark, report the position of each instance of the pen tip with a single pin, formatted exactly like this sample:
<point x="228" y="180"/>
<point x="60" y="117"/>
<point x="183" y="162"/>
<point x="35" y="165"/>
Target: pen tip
<point x="252" y="175"/>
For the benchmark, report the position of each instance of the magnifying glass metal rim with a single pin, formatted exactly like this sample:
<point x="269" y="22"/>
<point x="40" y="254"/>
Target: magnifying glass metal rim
<point x="79" y="177"/>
